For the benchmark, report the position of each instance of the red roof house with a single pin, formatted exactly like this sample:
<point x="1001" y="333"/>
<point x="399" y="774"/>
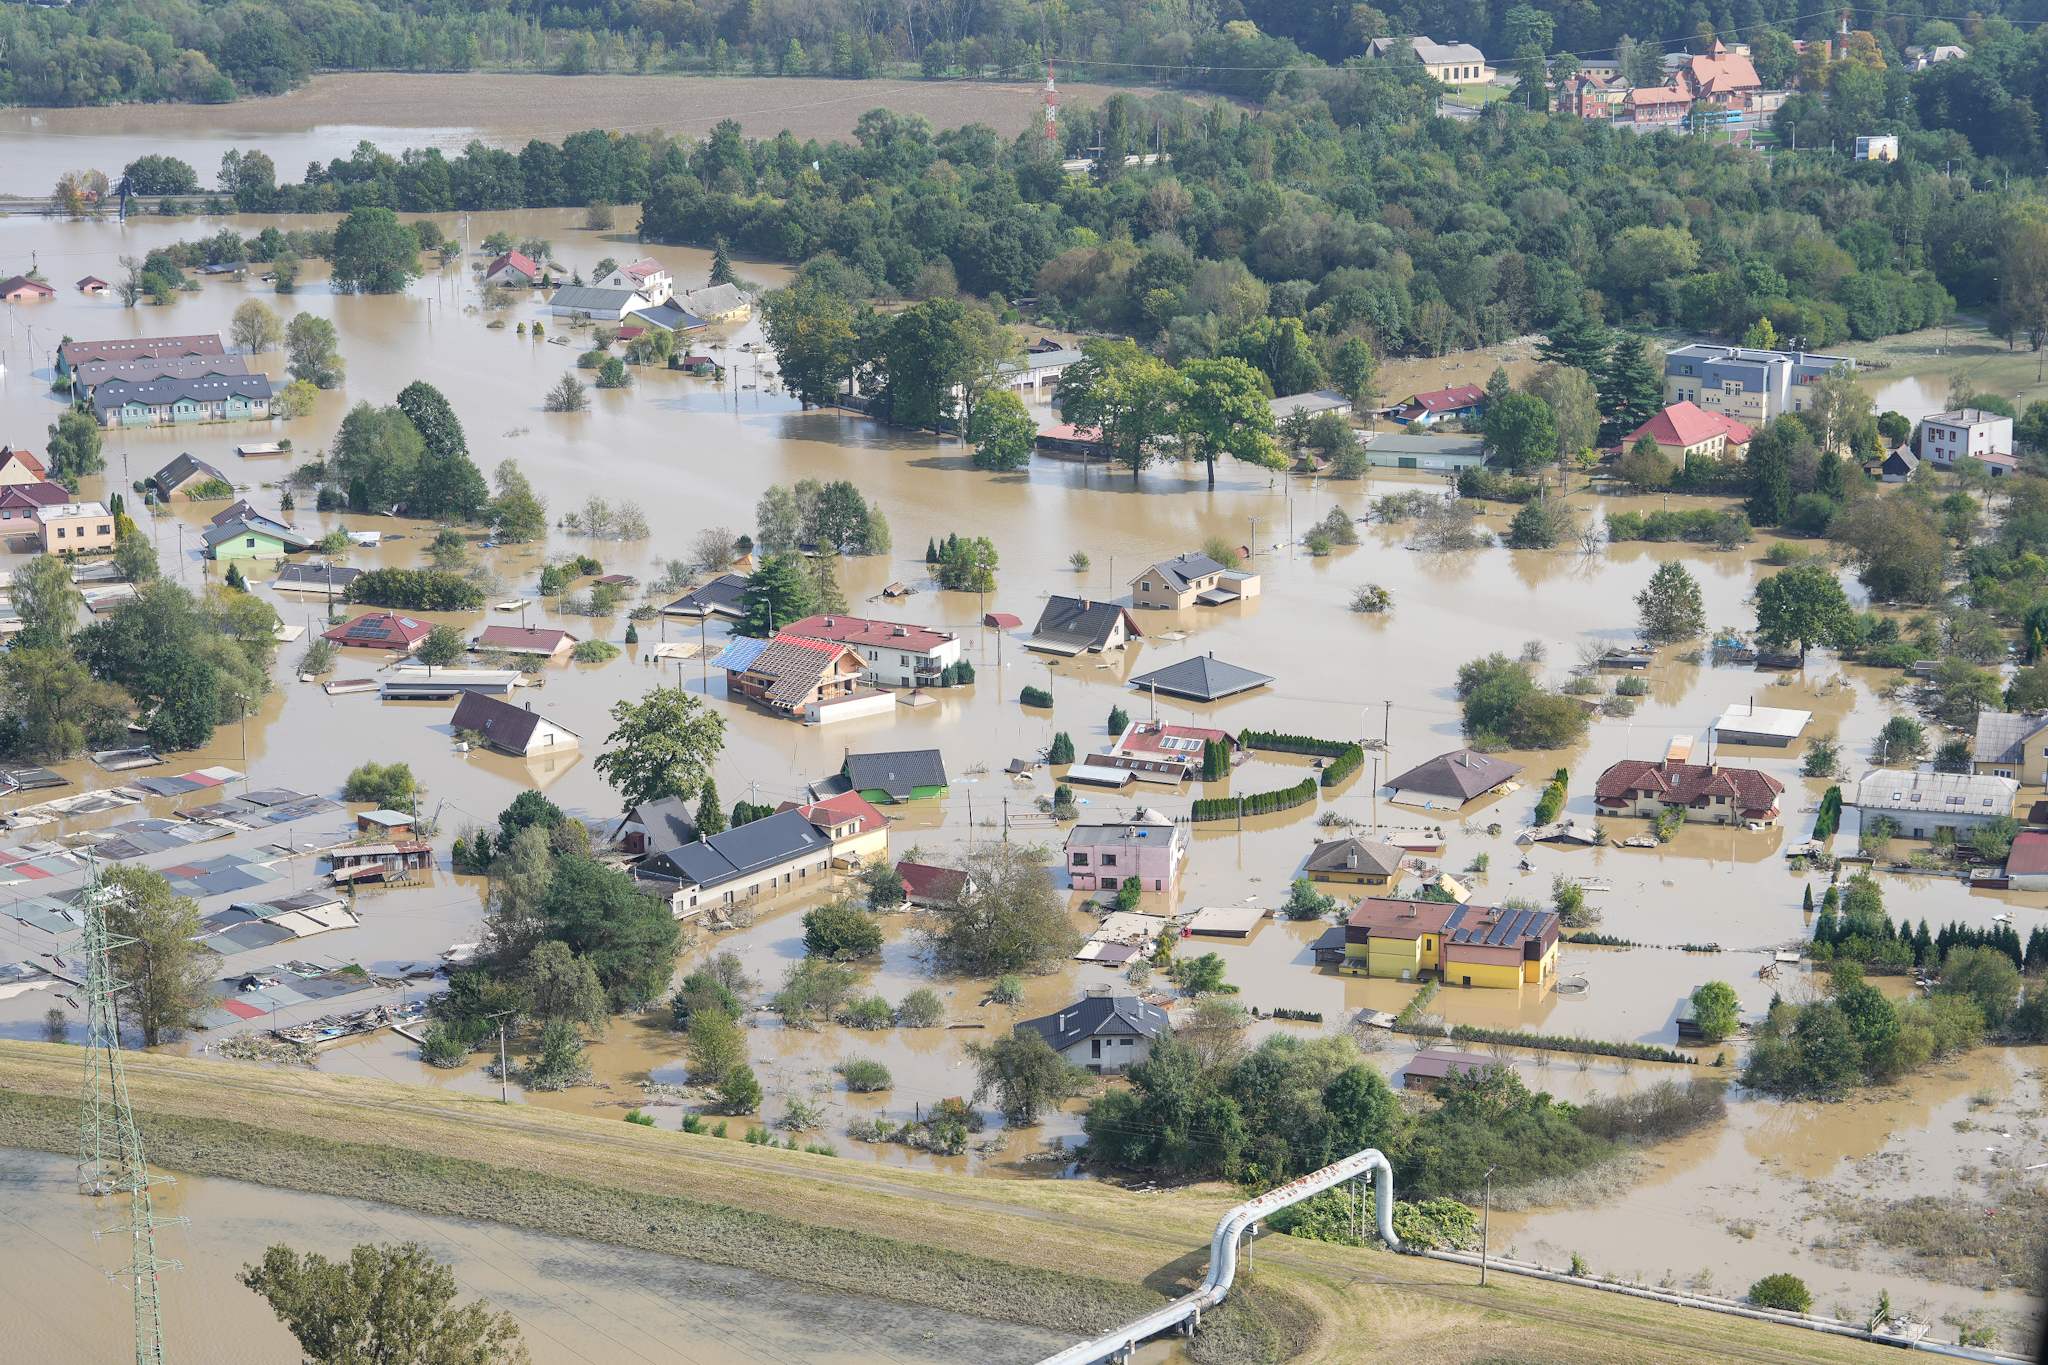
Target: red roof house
<point x="93" y="284"/>
<point x="22" y="287"/>
<point x="930" y="886"/>
<point x="549" y="644"/>
<point x="511" y="268"/>
<point x="1723" y="78"/>
<point x="1656" y="104"/>
<point x="1460" y="400"/>
<point x="836" y="810"/>
<point x="20" y="466"/>
<point x="1685" y="429"/>
<point x="381" y="630"/>
<point x="1710" y="792"/>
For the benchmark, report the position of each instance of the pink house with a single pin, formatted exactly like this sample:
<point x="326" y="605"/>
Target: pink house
<point x="1148" y="846"/>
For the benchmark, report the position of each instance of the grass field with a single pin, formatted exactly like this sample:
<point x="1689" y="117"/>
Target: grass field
<point x="1071" y="1255"/>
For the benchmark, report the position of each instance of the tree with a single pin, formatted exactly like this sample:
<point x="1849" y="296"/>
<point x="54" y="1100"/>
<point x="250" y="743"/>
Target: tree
<point x="884" y="884"/>
<point x="447" y="483"/>
<point x="566" y="396"/>
<point x="312" y="346"/>
<point x="46" y="602"/>
<point x="1024" y="1074"/>
<point x="1574" y="408"/>
<point x="1062" y="750"/>
<point x="1128" y="396"/>
<point x="1542" y="523"/>
<point x="777" y="593"/>
<point x="721" y="264"/>
<point x="57" y="705"/>
<point x="840" y="932"/>
<point x="1544" y="720"/>
<point x="1714" y="1007"/>
<point x="1787" y="1292"/>
<point x="1011" y="919"/>
<point x="373" y="252"/>
<point x="386" y="1304"/>
<point x="1670" y="608"/>
<point x="1519" y="431"/>
<point x="74" y="448"/>
<point x="1897" y="546"/>
<point x="390" y="785"/>
<point x="629" y="939"/>
<point x="811" y="327"/>
<point x="1986" y="977"/>
<point x="1645" y="465"/>
<point x="561" y="985"/>
<point x="255" y="328"/>
<point x="1578" y="341"/>
<point x="739" y="1092"/>
<point x="166" y="976"/>
<point x="1631" y="390"/>
<point x="1002" y="432"/>
<point x="716" y="1044"/>
<point x="1352" y="370"/>
<point x="443" y="646"/>
<point x="968" y="564"/>
<point x="1224" y="412"/>
<point x="1804" y="603"/>
<point x="663" y="745"/>
<point x="1767" y="467"/>
<point x="1304" y="902"/>
<point x="710" y="815"/>
<point x="517" y="513"/>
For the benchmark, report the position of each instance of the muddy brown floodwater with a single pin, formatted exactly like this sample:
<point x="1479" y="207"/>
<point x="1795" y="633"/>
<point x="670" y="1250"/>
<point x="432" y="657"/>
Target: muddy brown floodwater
<point x="696" y="454"/>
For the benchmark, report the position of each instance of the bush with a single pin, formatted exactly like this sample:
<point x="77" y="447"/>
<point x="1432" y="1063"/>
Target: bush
<point x="1788" y="1292"/>
<point x="1665" y="1111"/>
<point x="739" y="1092"/>
<point x="922" y="1008"/>
<point x="872" y="1013"/>
<point x="595" y="652"/>
<point x="1008" y="990"/>
<point x="1259" y="803"/>
<point x="1036" y="696"/>
<point x="864" y="1075"/>
<point x="1062" y="750"/>
<point x="390" y="785"/>
<point x="841" y="933"/>
<point x="442" y="1047"/>
<point x="415" y="590"/>
<point x="1349" y="757"/>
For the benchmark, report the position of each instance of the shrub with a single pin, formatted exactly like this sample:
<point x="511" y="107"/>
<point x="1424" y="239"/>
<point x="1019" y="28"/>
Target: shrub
<point x="442" y="1047"/>
<point x="1062" y="750"/>
<point x="1304" y="902"/>
<point x="841" y="933"/>
<point x="1035" y="696"/>
<point x="415" y="590"/>
<point x="1552" y="800"/>
<point x="1666" y="1110"/>
<point x="595" y="651"/>
<point x="864" y="1075"/>
<point x="739" y="1092"/>
<point x="1259" y="803"/>
<point x="1008" y="990"/>
<point x="871" y="1013"/>
<point x="390" y="785"/>
<point x="644" y="1120"/>
<point x="1788" y="1292"/>
<point x="922" y="1008"/>
<point x="1633" y="687"/>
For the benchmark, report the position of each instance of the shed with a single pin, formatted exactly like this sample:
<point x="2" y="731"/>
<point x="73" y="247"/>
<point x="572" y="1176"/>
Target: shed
<point x="390" y="823"/>
<point x="2026" y="865"/>
<point x="1227" y="921"/>
<point x="1771" y="727"/>
<point x="932" y="887"/>
<point x="1428" y="1070"/>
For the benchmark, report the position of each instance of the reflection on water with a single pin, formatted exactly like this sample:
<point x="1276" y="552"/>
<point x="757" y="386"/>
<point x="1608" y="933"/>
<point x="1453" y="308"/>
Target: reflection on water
<point x="1913" y="397"/>
<point x="576" y="1301"/>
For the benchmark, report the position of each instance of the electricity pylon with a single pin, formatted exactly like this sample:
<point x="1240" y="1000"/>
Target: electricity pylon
<point x="110" y="1159"/>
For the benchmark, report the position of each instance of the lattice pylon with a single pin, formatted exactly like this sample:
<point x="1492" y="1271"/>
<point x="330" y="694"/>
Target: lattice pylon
<point x="111" y="1165"/>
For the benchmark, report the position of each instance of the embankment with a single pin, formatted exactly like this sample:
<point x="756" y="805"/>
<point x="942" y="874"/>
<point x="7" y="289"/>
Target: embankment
<point x="1069" y="1255"/>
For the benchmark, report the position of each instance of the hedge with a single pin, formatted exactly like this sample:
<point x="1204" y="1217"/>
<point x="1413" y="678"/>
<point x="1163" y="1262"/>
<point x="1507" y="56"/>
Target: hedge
<point x="415" y="590"/>
<point x="1552" y="800"/>
<point x="1350" y="757"/>
<point x="1035" y="696"/>
<point x="1259" y="803"/>
<point x="1642" y="1052"/>
<point x="1830" y="817"/>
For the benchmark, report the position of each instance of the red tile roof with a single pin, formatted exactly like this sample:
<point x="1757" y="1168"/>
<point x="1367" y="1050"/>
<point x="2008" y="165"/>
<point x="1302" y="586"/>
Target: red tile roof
<point x="2029" y="855"/>
<point x="855" y="630"/>
<point x="513" y="258"/>
<point x="1688" y="784"/>
<point x="1719" y="75"/>
<point x="1448" y="400"/>
<point x="1657" y="94"/>
<point x="524" y="639"/>
<point x="837" y="809"/>
<point x="381" y="630"/>
<point x="925" y="882"/>
<point x="1390" y="918"/>
<point x="1150" y="736"/>
<point x="23" y="458"/>
<point x="1685" y="424"/>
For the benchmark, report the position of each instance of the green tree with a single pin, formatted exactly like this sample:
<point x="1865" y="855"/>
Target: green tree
<point x="1062" y="750"/>
<point x="1519" y="431"/>
<point x="446" y="483"/>
<point x="1767" y="467"/>
<point x="1352" y="370"/>
<point x="1714" y="1010"/>
<point x="1805" y="604"/>
<point x="841" y="932"/>
<point x="662" y="745"/>
<point x="312" y="346"/>
<point x="968" y="564"/>
<point x="1645" y="466"/>
<point x="1224" y="412"/>
<point x="255" y="328"/>
<point x="560" y="985"/>
<point x="777" y="593"/>
<point x="710" y="815"/>
<point x="1544" y="720"/>
<point x="1002" y="433"/>
<point x="165" y="975"/>
<point x="1024" y="1075"/>
<point x="386" y="1304"/>
<point x="739" y="1092"/>
<point x="1011" y="919"/>
<point x="374" y="253"/>
<point x="1578" y="341"/>
<point x="1671" y="608"/>
<point x="444" y="645"/>
<point x="1787" y="1292"/>
<point x="58" y="705"/>
<point x="716" y="1045"/>
<point x="1631" y="389"/>
<point x="46" y="603"/>
<point x="811" y="327"/>
<point x="1131" y="398"/>
<point x="883" y="883"/>
<point x="1986" y="977"/>
<point x="517" y="513"/>
<point x="721" y="264"/>
<point x="74" y="448"/>
<point x="628" y="939"/>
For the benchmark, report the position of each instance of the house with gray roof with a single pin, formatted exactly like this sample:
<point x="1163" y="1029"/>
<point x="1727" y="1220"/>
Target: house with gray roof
<point x="1451" y="63"/>
<point x="187" y="468"/>
<point x="1437" y="454"/>
<point x="162" y="402"/>
<point x="601" y="305"/>
<point x="2012" y="744"/>
<point x="1741" y="382"/>
<point x="1105" y="1032"/>
<point x="720" y="597"/>
<point x="1924" y="804"/>
<point x="1322" y="400"/>
<point x="320" y="578"/>
<point x="718" y="303"/>
<point x="1188" y="580"/>
<point x="655" y="827"/>
<point x="670" y="316"/>
<point x="1075" y="625"/>
<point x="518" y="730"/>
<point x="1450" y="780"/>
<point x="775" y="853"/>
<point x="146" y="369"/>
<point x="1202" y="678"/>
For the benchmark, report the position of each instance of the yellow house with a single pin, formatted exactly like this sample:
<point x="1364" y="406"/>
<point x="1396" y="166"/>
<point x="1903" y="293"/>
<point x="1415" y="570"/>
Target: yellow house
<point x="2012" y="744"/>
<point x="859" y="833"/>
<point x="1354" y="862"/>
<point x="1464" y="945"/>
<point x="1191" y="580"/>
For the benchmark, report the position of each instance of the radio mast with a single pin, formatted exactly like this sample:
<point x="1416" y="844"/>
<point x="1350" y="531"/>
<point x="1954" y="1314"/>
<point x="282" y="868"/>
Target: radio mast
<point x="1052" y="132"/>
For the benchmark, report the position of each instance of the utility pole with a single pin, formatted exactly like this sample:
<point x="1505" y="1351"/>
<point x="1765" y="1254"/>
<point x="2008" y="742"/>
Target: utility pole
<point x="1375" y="793"/>
<point x="504" y="1089"/>
<point x="1486" y="1226"/>
<point x="110" y="1157"/>
<point x="1387" y="725"/>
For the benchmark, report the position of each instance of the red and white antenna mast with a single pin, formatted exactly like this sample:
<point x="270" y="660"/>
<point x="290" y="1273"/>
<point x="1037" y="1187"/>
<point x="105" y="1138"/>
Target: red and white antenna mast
<point x="1052" y="132"/>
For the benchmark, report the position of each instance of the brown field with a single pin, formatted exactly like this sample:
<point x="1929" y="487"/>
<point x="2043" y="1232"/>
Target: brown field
<point x="510" y="109"/>
<point x="1064" y="1254"/>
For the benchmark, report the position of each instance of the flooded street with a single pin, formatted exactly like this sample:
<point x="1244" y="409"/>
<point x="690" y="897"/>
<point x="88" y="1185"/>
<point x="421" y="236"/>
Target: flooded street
<point x="695" y="454"/>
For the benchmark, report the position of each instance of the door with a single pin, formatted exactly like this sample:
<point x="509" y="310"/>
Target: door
<point x="1095" y="1048"/>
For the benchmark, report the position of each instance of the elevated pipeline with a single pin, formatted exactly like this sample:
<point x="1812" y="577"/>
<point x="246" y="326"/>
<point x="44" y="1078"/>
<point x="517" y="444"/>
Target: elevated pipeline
<point x="1188" y="1310"/>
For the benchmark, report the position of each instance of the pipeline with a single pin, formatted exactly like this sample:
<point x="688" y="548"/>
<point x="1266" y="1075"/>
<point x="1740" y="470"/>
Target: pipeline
<point x="1223" y="1256"/>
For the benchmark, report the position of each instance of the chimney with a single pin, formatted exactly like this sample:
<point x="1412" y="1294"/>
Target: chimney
<point x="828" y="620"/>
<point x="529" y="706"/>
<point x="1085" y="604"/>
<point x="1351" y="860"/>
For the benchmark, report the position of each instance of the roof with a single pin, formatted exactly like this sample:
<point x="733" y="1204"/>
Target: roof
<point x="1354" y="855"/>
<point x="134" y="348"/>
<point x="2029" y="854"/>
<point x="1179" y="741"/>
<point x="1689" y="784"/>
<point x="162" y="392"/>
<point x="2002" y="735"/>
<point x="1747" y="718"/>
<point x="773" y="839"/>
<point x="12" y="455"/>
<point x="524" y="639"/>
<point x="922" y="881"/>
<point x="1892" y="789"/>
<point x="838" y="810"/>
<point x="667" y="822"/>
<point x="1322" y="400"/>
<point x="182" y="470"/>
<point x="1966" y="417"/>
<point x="1448" y="400"/>
<point x="714" y="299"/>
<point x="1720" y="74"/>
<point x="1402" y="918"/>
<point x="1001" y="620"/>
<point x="589" y="299"/>
<point x="54" y="510"/>
<point x="255" y="526"/>
<point x="518" y="260"/>
<point x="1057" y="357"/>
<point x="1905" y="459"/>
<point x="321" y="576"/>
<point x="380" y="630"/>
<point x="1093" y="1016"/>
<point x="500" y="722"/>
<point x="644" y="267"/>
<point x="388" y="817"/>
<point x="1204" y="678"/>
<point x="719" y="597"/>
<point x="1463" y="773"/>
<point x="33" y="494"/>
<point x="856" y="630"/>
<point x="1072" y="624"/>
<point x="20" y="282"/>
<point x="236" y="510"/>
<point x="1441" y="1062"/>
<point x="670" y="316"/>
<point x="791" y="663"/>
<point x="1686" y="424"/>
<point x="147" y="369"/>
<point x="1433" y="53"/>
<point x="897" y="773"/>
<point x="1143" y="824"/>
<point x="1179" y="570"/>
<point x="1402" y="443"/>
<point x="1657" y="94"/>
<point x="92" y="280"/>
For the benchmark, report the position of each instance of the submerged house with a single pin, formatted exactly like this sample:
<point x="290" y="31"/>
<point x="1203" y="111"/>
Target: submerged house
<point x="1357" y="862"/>
<point x="1188" y="580"/>
<point x="1926" y="804"/>
<point x="763" y="856"/>
<point x="789" y="673"/>
<point x="1711" y="793"/>
<point x="720" y="597"/>
<point x="1076" y="625"/>
<point x="1451" y="780"/>
<point x="1149" y="847"/>
<point x="517" y="730"/>
<point x="1202" y="678"/>
<point x="896" y="654"/>
<point x="1462" y="945"/>
<point x="901" y="775"/>
<point x="1104" y="1032"/>
<point x="381" y="630"/>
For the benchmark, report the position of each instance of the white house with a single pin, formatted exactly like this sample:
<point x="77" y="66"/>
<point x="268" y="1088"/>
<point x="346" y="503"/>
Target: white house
<point x="513" y="270"/>
<point x="1947" y="437"/>
<point x="893" y="653"/>
<point x="646" y="277"/>
<point x="1924" y="803"/>
<point x="1108" y="1034"/>
<point x="1451" y="63"/>
<point x="517" y="730"/>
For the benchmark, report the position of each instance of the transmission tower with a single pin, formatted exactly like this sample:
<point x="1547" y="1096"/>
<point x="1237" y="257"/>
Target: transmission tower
<point x="110" y="1159"/>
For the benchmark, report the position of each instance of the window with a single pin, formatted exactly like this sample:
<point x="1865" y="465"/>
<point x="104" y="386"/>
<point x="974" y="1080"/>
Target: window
<point x="60" y="533"/>
<point x="1080" y="860"/>
<point x="250" y="542"/>
<point x="1109" y="860"/>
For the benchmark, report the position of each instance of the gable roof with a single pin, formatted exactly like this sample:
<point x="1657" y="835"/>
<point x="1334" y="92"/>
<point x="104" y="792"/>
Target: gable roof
<point x="2002" y="735"/>
<point x="523" y="639"/>
<point x="1657" y="94"/>
<point x="1687" y="424"/>
<point x="20" y="282"/>
<point x="1687" y="784"/>
<point x="1095" y="1015"/>
<point x="644" y="267"/>
<point x="1072" y="624"/>
<point x="726" y="857"/>
<point x="716" y="298"/>
<point x="2028" y="855"/>
<point x="518" y="260"/>
<point x="838" y="810"/>
<point x="1338" y="855"/>
<point x="670" y="316"/>
<point x="1463" y="773"/>
<point x="1320" y="400"/>
<point x="1447" y="400"/>
<point x="317" y="575"/>
<point x="183" y="470"/>
<point x="46" y="494"/>
<point x="719" y="597"/>
<point x="793" y="665"/>
<point x="1181" y="568"/>
<point x="896" y="773"/>
<point x="380" y="630"/>
<point x="591" y="300"/>
<point x="922" y="881"/>
<point x="255" y="526"/>
<point x="856" y="630"/>
<point x="1891" y="789"/>
<point x="500" y="721"/>
<point x="11" y="455"/>
<point x="1720" y="73"/>
<point x="76" y="353"/>
<point x="235" y="511"/>
<point x="1204" y="678"/>
<point x="148" y="369"/>
<point x="667" y="822"/>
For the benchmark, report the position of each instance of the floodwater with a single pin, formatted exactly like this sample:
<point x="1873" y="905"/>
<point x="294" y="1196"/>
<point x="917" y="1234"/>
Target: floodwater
<point x="1912" y="397"/>
<point x="695" y="454"/>
<point x="577" y="1302"/>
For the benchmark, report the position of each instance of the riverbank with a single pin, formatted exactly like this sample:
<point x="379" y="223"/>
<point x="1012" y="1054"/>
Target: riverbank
<point x="1068" y="1255"/>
